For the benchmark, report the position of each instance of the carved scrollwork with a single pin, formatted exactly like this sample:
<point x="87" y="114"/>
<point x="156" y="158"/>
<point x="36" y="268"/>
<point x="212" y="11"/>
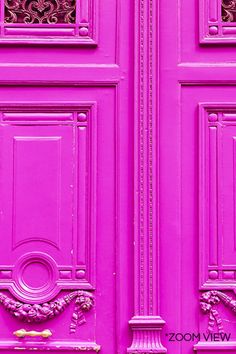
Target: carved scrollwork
<point x="209" y="300"/>
<point x="35" y="313"/>
<point x="40" y="11"/>
<point x="229" y="10"/>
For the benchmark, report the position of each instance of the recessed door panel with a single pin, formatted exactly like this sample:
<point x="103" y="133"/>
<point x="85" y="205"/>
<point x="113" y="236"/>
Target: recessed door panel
<point x="66" y="175"/>
<point x="197" y="199"/>
<point x="55" y="163"/>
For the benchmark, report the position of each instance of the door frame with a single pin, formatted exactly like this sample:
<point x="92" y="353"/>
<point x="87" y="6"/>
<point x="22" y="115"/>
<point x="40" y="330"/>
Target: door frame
<point x="146" y="320"/>
<point x="146" y="323"/>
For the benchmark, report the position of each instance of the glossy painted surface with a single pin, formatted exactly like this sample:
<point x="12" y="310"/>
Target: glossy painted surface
<point x="66" y="181"/>
<point x="197" y="178"/>
<point x="117" y="180"/>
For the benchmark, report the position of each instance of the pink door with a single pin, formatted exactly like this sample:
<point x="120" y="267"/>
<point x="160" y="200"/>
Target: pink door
<point x="117" y="176"/>
<point x="197" y="164"/>
<point x="66" y="171"/>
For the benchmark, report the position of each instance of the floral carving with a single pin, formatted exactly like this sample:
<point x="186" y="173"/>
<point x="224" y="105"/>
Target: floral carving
<point x="229" y="10"/>
<point x="209" y="300"/>
<point x="40" y="11"/>
<point x="35" y="313"/>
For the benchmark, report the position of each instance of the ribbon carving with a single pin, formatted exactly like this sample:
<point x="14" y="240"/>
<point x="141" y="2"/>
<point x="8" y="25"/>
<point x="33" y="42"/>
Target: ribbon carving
<point x="35" y="313"/>
<point x="209" y="300"/>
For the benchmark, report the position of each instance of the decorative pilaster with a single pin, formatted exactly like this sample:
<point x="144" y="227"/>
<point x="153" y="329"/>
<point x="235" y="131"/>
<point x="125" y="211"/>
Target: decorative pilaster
<point x="146" y="323"/>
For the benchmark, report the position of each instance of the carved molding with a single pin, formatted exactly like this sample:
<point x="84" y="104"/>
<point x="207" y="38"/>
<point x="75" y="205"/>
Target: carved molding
<point x="36" y="313"/>
<point x="217" y="147"/>
<point x="80" y="273"/>
<point x="49" y="21"/>
<point x="51" y="346"/>
<point x="146" y="324"/>
<point x="208" y="302"/>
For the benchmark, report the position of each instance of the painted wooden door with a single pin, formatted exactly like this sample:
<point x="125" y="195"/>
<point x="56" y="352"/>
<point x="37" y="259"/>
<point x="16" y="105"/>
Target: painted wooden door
<point x="197" y="175"/>
<point x="66" y="147"/>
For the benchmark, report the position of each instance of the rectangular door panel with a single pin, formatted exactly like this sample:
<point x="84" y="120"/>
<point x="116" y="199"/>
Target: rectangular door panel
<point x="217" y="193"/>
<point x="55" y="32"/>
<point x="57" y="187"/>
<point x="207" y="34"/>
<point x="204" y="293"/>
<point x="66" y="175"/>
<point x="197" y="199"/>
<point x="39" y="188"/>
<point x="48" y="22"/>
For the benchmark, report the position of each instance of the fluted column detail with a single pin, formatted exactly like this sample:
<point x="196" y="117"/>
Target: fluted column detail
<point x="146" y="323"/>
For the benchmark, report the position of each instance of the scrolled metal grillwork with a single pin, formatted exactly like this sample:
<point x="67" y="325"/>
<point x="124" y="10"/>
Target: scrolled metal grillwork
<point x="229" y="10"/>
<point x="40" y="11"/>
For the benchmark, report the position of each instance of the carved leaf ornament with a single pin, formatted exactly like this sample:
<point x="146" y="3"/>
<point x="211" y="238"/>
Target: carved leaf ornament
<point x="36" y="313"/>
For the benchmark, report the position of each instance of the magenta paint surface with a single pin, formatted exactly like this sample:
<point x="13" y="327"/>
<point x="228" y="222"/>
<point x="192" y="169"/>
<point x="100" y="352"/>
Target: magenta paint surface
<point x="66" y="179"/>
<point x="117" y="178"/>
<point x="50" y="261"/>
<point x="197" y="178"/>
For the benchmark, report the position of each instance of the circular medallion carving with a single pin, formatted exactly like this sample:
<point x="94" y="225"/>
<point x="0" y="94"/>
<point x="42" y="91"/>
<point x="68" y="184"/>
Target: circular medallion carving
<point x="35" y="275"/>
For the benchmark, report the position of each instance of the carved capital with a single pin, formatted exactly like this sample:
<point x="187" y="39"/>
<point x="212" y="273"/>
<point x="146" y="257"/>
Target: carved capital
<point x="146" y="335"/>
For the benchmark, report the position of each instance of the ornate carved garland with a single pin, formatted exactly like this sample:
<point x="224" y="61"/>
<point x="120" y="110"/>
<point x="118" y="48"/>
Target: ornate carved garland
<point x="207" y="302"/>
<point x="35" y="313"/>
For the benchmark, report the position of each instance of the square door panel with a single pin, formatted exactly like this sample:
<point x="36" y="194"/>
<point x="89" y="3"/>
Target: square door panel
<point x="57" y="188"/>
